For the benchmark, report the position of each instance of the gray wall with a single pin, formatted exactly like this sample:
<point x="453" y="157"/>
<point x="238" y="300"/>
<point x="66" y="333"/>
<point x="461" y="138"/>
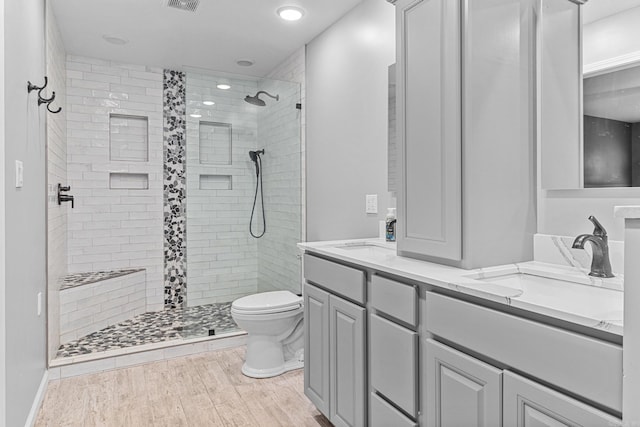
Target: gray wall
<point x="3" y="381"/>
<point x="347" y="91"/>
<point x="25" y="245"/>
<point x="607" y="152"/>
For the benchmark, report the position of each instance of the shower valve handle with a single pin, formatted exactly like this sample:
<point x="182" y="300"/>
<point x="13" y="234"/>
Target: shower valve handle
<point x="65" y="197"/>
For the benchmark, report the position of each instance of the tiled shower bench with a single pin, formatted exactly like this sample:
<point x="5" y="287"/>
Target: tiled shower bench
<point x="92" y="301"/>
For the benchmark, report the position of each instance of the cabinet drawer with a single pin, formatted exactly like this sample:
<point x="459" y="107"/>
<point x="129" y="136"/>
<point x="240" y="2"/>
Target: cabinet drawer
<point x="582" y="365"/>
<point x="385" y="415"/>
<point x="337" y="278"/>
<point x="395" y="299"/>
<point x="394" y="368"/>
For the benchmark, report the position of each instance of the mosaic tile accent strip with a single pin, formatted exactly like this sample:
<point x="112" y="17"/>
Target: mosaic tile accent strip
<point x="79" y="279"/>
<point x="153" y="327"/>
<point x="175" y="185"/>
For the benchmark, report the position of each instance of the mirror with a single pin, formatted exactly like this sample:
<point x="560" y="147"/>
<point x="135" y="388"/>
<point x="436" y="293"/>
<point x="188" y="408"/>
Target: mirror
<point x="589" y="94"/>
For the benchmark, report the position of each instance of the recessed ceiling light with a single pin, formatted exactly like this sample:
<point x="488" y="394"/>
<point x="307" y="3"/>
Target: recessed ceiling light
<point x="224" y="86"/>
<point x="290" y="13"/>
<point x="208" y="102"/>
<point x="245" y="62"/>
<point x="195" y="115"/>
<point x="115" y="40"/>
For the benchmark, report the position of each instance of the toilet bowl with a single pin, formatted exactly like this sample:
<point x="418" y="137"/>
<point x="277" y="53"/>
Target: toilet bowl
<point x="273" y="321"/>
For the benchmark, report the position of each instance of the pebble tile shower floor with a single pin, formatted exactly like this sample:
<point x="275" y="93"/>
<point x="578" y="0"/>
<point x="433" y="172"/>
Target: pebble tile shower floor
<point x="154" y="327"/>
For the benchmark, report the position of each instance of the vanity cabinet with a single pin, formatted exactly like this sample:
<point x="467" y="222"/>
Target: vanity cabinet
<point x="463" y="390"/>
<point x="465" y="131"/>
<point x="335" y="360"/>
<point x="390" y="351"/>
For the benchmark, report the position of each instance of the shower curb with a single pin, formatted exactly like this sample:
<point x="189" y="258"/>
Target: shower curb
<point x="148" y="353"/>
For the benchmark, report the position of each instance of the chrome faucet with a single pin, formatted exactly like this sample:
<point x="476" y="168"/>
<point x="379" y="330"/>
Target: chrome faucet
<point x="600" y="264"/>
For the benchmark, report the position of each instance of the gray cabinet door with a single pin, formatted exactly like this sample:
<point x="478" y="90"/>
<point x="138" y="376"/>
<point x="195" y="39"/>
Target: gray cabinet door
<point x="461" y="390"/>
<point x="429" y="128"/>
<point x="394" y="364"/>
<point x="347" y="363"/>
<point x="316" y="347"/>
<point x="528" y="404"/>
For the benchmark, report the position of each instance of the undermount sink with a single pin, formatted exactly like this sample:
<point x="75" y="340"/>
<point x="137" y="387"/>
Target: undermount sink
<point x="570" y="291"/>
<point x="369" y="248"/>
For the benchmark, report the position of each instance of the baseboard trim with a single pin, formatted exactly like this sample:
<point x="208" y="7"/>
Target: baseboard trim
<point x="37" y="401"/>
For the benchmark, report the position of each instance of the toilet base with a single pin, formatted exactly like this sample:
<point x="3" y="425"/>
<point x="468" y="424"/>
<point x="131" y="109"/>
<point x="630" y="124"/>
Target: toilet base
<point x="265" y="357"/>
<point x="289" y="365"/>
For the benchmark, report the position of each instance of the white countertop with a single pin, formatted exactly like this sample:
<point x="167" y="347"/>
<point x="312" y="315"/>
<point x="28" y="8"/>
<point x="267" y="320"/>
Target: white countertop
<point x="584" y="300"/>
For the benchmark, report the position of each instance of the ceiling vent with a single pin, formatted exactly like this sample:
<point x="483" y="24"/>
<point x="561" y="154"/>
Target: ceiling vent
<point x="188" y="5"/>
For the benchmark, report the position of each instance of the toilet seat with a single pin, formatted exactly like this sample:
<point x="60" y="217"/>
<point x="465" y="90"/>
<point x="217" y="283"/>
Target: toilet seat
<point x="267" y="303"/>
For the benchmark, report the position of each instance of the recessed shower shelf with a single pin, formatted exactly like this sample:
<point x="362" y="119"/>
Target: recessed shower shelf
<point x="215" y="182"/>
<point x="128" y="181"/>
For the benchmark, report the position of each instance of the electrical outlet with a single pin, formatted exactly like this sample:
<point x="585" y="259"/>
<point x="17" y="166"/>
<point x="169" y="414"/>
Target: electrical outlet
<point x="39" y="303"/>
<point x="372" y="203"/>
<point x="19" y="174"/>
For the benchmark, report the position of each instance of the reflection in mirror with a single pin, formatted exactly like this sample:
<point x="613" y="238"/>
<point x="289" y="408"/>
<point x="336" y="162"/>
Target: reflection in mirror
<point x="611" y="93"/>
<point x="612" y="129"/>
<point x="392" y="168"/>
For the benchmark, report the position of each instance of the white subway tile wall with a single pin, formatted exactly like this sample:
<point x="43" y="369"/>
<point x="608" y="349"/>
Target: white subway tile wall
<point x="89" y="308"/>
<point x="56" y="173"/>
<point x="280" y="130"/>
<point x="221" y="255"/>
<point x="114" y="228"/>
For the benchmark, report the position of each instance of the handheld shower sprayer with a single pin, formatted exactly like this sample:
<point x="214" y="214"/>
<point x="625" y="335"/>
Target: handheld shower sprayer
<point x="257" y="160"/>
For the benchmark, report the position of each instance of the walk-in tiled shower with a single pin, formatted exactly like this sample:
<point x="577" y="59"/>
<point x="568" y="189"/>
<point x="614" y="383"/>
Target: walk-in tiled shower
<point x="158" y="243"/>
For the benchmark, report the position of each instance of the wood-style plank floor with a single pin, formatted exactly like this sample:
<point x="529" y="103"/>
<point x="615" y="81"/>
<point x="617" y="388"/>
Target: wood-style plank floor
<point x="201" y="390"/>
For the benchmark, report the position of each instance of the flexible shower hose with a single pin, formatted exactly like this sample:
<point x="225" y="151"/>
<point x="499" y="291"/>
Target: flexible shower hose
<point x="255" y="198"/>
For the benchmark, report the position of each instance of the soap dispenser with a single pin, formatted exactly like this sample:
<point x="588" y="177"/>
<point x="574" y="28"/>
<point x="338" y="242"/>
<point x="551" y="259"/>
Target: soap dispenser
<point x="390" y="221"/>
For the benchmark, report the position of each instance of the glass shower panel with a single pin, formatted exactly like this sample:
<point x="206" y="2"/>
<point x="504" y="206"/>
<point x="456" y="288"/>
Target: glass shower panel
<point x="224" y="262"/>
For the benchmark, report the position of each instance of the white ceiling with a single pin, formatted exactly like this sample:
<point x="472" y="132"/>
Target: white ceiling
<point x="594" y="10"/>
<point x="218" y="34"/>
<point x="614" y="95"/>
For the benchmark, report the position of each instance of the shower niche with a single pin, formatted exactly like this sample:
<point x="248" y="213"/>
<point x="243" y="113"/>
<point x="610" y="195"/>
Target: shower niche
<point x="215" y="143"/>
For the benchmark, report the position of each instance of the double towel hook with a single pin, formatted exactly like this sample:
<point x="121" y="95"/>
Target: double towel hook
<point x="41" y="100"/>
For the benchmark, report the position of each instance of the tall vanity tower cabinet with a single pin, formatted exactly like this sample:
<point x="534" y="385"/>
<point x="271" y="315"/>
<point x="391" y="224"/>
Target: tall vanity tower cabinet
<point x="465" y="103"/>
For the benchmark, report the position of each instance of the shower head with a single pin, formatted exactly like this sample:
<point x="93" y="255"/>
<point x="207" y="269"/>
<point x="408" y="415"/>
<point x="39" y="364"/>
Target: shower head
<point x="255" y="100"/>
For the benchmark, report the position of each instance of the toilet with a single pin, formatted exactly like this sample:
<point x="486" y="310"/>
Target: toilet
<point x="275" y="342"/>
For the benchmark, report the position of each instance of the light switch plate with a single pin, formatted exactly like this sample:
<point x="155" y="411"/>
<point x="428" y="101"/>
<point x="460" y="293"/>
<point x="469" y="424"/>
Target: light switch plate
<point x="39" y="303"/>
<point x="372" y="203"/>
<point x="19" y="174"/>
